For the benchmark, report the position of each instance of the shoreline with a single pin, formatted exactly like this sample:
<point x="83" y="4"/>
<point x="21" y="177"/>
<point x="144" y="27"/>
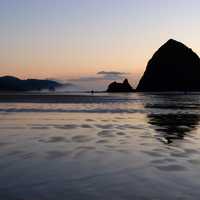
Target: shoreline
<point x="82" y="97"/>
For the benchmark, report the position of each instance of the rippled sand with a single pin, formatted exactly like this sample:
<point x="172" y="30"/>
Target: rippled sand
<point x="131" y="147"/>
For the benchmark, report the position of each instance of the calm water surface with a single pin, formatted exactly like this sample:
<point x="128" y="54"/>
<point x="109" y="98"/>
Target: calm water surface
<point x="138" y="146"/>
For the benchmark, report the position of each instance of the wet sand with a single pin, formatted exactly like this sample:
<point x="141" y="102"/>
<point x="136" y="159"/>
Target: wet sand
<point x="96" y="151"/>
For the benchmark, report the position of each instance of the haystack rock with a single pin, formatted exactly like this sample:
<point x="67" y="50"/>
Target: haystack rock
<point x="120" y="87"/>
<point x="174" y="67"/>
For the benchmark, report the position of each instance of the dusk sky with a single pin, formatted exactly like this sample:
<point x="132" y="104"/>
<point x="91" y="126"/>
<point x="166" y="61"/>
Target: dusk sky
<point x="75" y="39"/>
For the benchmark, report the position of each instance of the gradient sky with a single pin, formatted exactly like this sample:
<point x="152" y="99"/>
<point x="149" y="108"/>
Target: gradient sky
<point x="75" y="39"/>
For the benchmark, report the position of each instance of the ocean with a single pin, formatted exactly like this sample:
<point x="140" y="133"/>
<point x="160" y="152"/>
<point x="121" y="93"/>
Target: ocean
<point x="101" y="146"/>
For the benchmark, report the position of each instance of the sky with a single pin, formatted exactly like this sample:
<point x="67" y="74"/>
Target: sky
<point x="91" y="42"/>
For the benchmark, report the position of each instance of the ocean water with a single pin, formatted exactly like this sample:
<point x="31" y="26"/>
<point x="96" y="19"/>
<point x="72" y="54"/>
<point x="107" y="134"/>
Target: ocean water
<point x="102" y="147"/>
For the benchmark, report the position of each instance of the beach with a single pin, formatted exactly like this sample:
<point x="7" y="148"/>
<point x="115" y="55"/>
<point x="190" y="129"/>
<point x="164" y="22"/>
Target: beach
<point x="102" y="146"/>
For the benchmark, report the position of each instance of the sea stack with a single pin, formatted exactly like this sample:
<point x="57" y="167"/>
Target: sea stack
<point x="120" y="87"/>
<point x="174" y="67"/>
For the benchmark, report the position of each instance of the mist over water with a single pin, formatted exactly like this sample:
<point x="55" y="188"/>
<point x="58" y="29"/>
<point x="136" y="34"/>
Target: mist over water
<point x="106" y="146"/>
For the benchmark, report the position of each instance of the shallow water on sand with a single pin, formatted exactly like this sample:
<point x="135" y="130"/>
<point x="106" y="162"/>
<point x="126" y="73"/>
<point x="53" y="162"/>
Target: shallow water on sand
<point x="115" y="147"/>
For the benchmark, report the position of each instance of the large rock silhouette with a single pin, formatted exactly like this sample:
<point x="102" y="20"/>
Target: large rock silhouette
<point x="174" y="67"/>
<point x="120" y="87"/>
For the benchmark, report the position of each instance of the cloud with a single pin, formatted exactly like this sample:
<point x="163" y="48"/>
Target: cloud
<point x="86" y="79"/>
<point x="112" y="73"/>
<point x="102" y="76"/>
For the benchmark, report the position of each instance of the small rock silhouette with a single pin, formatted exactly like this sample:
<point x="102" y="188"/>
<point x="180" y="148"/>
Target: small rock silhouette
<point x="120" y="87"/>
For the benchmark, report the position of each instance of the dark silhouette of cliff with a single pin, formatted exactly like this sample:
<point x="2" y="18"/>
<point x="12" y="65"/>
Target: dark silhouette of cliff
<point x="10" y="83"/>
<point x="174" y="67"/>
<point x="120" y="87"/>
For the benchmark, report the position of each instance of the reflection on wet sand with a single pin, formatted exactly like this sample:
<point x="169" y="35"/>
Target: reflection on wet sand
<point x="173" y="126"/>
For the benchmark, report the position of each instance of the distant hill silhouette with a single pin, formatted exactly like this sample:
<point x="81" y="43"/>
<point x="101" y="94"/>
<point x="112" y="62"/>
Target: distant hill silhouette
<point x="174" y="67"/>
<point x="120" y="87"/>
<point x="10" y="83"/>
